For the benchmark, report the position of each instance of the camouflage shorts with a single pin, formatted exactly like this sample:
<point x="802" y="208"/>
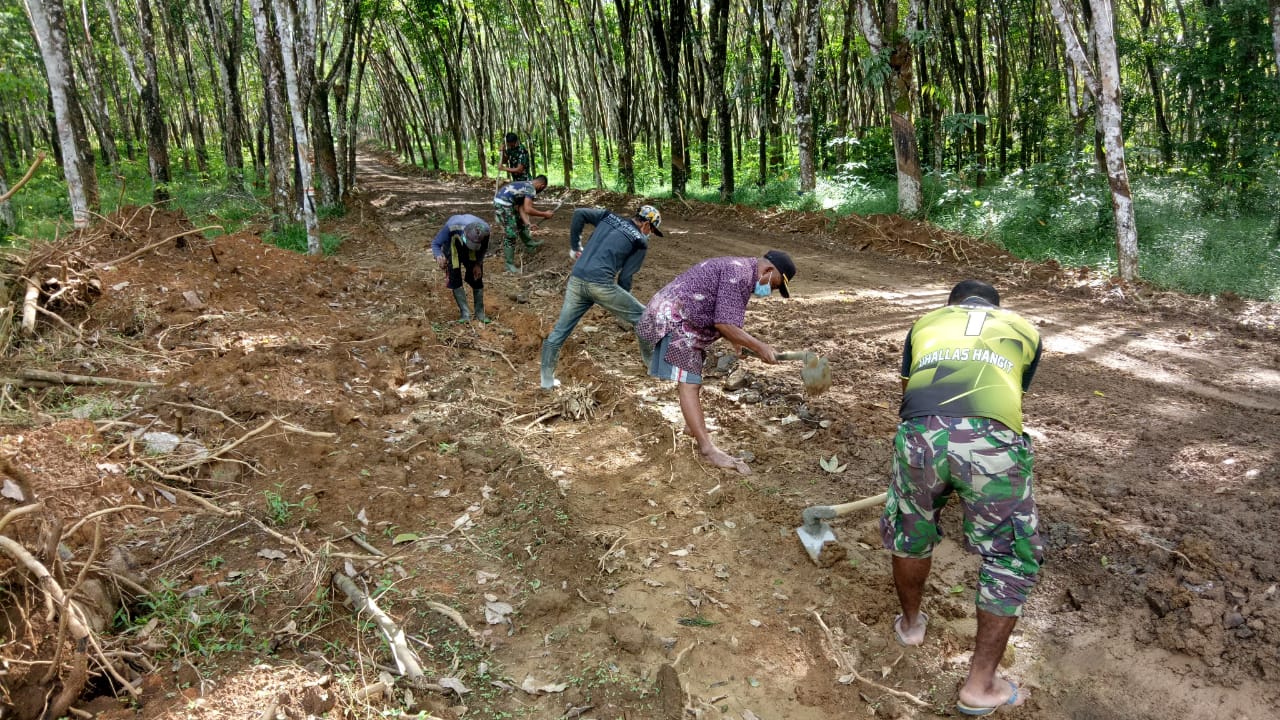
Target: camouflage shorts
<point x="989" y="467"/>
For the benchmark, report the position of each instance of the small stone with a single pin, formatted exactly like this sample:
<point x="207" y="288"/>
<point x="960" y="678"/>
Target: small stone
<point x="1159" y="603"/>
<point x="749" y="397"/>
<point x="1232" y="620"/>
<point x="736" y="380"/>
<point x="1243" y="632"/>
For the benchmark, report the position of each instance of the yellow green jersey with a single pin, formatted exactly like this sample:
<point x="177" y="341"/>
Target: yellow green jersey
<point x="969" y="360"/>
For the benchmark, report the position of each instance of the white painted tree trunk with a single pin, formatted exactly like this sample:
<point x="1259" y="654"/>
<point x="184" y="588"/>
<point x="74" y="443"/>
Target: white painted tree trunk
<point x="285" y="26"/>
<point x="51" y="34"/>
<point x="1103" y="83"/>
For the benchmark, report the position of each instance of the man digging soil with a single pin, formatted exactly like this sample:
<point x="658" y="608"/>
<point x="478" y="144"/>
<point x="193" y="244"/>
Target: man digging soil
<point x="965" y="368"/>
<point x="704" y="303"/>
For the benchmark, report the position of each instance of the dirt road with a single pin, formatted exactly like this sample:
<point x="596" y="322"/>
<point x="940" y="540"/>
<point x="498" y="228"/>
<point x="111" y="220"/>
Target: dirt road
<point x="620" y="554"/>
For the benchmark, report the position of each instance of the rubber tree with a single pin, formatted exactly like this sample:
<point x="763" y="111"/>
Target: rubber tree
<point x="1101" y="77"/>
<point x="49" y="23"/>
<point x="891" y="61"/>
<point x="292" y="45"/>
<point x="147" y="84"/>
<point x="795" y="25"/>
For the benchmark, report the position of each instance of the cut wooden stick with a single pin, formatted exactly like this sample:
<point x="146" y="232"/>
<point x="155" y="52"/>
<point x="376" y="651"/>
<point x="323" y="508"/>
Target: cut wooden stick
<point x="62" y="378"/>
<point x="29" y="307"/>
<point x="406" y="659"/>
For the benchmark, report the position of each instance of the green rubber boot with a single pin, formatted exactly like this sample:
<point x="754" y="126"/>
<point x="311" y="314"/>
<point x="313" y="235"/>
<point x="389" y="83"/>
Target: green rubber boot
<point x="478" y="293"/>
<point x="460" y="297"/>
<point x="509" y="254"/>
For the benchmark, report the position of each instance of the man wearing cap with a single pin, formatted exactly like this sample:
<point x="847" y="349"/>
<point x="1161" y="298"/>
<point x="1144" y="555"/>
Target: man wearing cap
<point x="965" y="368"/>
<point x="601" y="275"/>
<point x="512" y="207"/>
<point x="459" y="249"/>
<point x="706" y="302"/>
<point x="515" y="158"/>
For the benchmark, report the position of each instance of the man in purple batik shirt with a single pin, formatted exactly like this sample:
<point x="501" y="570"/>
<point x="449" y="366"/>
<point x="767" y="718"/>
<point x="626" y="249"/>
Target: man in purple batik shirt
<point x="704" y="303"/>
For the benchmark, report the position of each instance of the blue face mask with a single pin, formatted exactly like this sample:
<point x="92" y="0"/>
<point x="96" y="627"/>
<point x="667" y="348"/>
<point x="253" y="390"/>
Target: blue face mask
<point x="763" y="289"/>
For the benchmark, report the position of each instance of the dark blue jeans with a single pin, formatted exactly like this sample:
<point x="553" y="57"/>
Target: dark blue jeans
<point x="579" y="296"/>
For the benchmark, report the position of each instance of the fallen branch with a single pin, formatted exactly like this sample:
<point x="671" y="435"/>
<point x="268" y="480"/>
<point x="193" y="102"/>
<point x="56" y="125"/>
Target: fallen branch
<point x="99" y="513"/>
<point x="846" y="665"/>
<point x="225" y="448"/>
<point x="16" y="513"/>
<point x="50" y="376"/>
<point x="76" y="623"/>
<point x="406" y="659"/>
<point x="31" y="171"/>
<point x="142" y="251"/>
<point x="456" y="617"/>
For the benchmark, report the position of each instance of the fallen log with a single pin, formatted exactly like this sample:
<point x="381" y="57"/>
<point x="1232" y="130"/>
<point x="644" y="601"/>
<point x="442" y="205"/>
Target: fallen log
<point x="62" y="378"/>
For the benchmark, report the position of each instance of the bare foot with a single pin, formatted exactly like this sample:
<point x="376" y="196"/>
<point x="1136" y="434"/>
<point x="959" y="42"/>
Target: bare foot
<point x="1000" y="693"/>
<point x="720" y="458"/>
<point x="912" y="634"/>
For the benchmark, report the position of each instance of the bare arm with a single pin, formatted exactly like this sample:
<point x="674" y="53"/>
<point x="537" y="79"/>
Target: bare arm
<point x="528" y="209"/>
<point x="741" y="338"/>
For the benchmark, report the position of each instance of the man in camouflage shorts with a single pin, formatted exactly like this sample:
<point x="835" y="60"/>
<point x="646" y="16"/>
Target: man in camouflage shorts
<point x="965" y="368"/>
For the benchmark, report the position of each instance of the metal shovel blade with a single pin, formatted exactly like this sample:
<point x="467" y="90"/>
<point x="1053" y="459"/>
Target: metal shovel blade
<point x="816" y="375"/>
<point x="820" y="542"/>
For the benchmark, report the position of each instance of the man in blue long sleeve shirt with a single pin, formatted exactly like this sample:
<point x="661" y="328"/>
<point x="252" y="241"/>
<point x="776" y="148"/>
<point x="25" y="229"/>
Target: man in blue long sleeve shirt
<point x="459" y="249"/>
<point x="601" y="275"/>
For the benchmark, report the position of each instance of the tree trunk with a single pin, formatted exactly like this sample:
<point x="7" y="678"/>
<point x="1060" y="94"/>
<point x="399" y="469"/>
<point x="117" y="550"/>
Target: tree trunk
<point x="1103" y="83"/>
<point x="98" y="104"/>
<point x="789" y="23"/>
<point x="157" y="134"/>
<point x="724" y="118"/>
<point x="227" y="45"/>
<point x="900" y="94"/>
<point x="289" y="52"/>
<point x="278" y="138"/>
<point x="48" y="20"/>
<point x="668" y="22"/>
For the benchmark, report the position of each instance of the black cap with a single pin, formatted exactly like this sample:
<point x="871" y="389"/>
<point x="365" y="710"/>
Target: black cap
<point x="783" y="262"/>
<point x="512" y="137"/>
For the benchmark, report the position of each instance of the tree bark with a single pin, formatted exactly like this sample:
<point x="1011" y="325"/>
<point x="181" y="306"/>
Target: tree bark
<point x="900" y="93"/>
<point x="668" y="23"/>
<point x="48" y="20"/>
<point x="157" y="134"/>
<point x="789" y="23"/>
<point x="227" y="47"/>
<point x="724" y="117"/>
<point x="1103" y="83"/>
<point x="280" y="146"/>
<point x="290" y="49"/>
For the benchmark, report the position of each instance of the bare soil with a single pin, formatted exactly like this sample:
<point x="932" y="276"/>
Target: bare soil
<point x="644" y="584"/>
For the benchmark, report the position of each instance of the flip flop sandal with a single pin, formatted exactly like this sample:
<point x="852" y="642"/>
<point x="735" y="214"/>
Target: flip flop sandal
<point x="974" y="711"/>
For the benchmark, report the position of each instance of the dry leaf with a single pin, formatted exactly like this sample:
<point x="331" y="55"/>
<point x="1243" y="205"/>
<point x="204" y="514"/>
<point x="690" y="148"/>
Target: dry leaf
<point x="271" y="554"/>
<point x="496" y="613"/>
<point x="453" y="684"/>
<point x="12" y="491"/>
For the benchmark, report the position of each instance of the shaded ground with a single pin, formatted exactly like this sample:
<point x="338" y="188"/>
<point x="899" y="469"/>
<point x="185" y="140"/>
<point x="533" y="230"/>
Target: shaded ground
<point x="589" y="514"/>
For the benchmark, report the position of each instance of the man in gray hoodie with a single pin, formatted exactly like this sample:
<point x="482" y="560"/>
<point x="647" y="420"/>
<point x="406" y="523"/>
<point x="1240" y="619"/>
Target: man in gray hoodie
<point x="601" y="275"/>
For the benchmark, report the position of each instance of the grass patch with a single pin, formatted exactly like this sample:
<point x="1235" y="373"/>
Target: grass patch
<point x="293" y="236"/>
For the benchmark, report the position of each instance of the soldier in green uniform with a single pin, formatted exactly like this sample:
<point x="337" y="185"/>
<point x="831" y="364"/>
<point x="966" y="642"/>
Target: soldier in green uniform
<point x="965" y="368"/>
<point x="515" y="159"/>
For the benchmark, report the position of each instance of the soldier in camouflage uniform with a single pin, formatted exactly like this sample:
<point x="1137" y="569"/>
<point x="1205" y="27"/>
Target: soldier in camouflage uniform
<point x="512" y="208"/>
<point x="515" y="159"/>
<point x="965" y="368"/>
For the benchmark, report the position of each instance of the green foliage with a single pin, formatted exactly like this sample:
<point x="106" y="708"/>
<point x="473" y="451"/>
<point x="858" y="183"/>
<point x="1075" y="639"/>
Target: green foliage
<point x="279" y="510"/>
<point x="196" y="625"/>
<point x="293" y="236"/>
<point x="1062" y="211"/>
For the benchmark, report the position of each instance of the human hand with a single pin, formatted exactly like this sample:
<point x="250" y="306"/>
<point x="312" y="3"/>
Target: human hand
<point x="574" y="254"/>
<point x="767" y="354"/>
<point x="440" y="261"/>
